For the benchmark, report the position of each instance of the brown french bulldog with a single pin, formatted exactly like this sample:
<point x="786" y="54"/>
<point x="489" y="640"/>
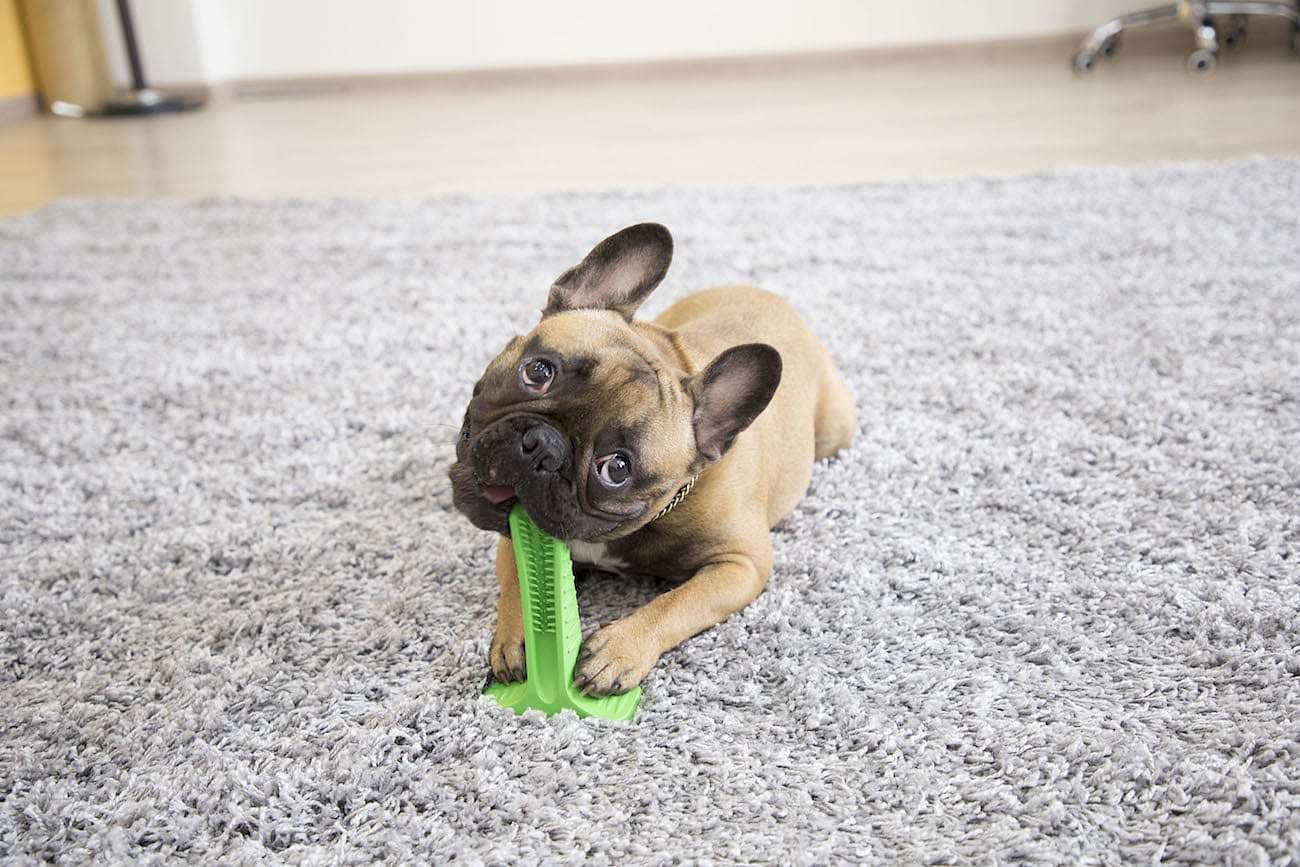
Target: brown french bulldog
<point x="666" y="448"/>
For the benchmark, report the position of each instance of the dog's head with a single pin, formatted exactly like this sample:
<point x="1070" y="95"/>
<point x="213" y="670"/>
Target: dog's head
<point x="589" y="420"/>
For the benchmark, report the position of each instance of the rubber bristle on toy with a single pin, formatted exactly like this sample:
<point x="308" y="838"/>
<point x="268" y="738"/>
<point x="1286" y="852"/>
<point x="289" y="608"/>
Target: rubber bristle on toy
<point x="552" y="634"/>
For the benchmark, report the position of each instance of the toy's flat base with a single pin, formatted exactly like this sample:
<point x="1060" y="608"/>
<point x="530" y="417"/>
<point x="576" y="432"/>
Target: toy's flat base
<point x="520" y="697"/>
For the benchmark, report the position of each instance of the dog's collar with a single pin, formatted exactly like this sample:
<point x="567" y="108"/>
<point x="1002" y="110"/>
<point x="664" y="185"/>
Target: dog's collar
<point x="676" y="500"/>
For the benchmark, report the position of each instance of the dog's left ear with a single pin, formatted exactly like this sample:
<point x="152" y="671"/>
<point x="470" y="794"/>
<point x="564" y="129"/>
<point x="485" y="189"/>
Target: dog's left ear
<point x="730" y="393"/>
<point x="618" y="274"/>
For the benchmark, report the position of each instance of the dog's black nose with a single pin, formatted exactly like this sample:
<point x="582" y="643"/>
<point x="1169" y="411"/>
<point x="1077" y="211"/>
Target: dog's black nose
<point x="543" y="448"/>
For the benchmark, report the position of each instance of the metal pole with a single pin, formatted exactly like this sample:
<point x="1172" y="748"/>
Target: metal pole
<point x="132" y="49"/>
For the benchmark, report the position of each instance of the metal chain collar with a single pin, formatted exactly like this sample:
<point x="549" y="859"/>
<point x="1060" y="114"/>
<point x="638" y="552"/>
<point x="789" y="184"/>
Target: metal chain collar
<point x="676" y="500"/>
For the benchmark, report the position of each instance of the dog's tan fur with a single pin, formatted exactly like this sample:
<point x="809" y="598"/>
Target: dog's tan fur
<point x="718" y="538"/>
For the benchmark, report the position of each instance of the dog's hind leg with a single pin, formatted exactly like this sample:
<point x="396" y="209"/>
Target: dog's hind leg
<point x="836" y="418"/>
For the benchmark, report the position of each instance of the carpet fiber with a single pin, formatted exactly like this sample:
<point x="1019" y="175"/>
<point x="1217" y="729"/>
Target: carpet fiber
<point x="1046" y="609"/>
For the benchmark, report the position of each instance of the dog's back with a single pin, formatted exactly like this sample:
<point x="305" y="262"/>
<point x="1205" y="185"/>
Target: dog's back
<point x="811" y="415"/>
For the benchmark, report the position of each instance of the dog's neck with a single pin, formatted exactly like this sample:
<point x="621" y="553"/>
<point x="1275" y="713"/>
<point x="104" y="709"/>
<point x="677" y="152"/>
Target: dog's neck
<point x="676" y="500"/>
<point x="673" y="354"/>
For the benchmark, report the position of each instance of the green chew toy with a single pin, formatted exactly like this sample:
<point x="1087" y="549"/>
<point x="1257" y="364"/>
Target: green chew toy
<point x="552" y="635"/>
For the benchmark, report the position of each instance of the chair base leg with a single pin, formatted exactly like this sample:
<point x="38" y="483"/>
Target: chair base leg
<point x="1199" y="15"/>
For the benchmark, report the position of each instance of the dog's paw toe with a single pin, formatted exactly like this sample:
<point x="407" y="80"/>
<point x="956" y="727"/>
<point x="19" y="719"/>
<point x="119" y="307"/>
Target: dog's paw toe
<point x="612" y="661"/>
<point x="507" y="659"/>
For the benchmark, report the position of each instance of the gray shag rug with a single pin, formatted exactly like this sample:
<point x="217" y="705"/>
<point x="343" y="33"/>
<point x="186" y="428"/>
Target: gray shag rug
<point x="1047" y="609"/>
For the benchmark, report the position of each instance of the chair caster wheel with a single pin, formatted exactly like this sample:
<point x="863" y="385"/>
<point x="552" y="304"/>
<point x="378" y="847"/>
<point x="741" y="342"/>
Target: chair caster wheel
<point x="1110" y="47"/>
<point x="1084" y="62"/>
<point x="1202" y="61"/>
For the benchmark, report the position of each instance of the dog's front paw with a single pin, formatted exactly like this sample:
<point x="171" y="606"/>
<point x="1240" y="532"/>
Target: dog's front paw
<point x="613" y="660"/>
<point x="506" y="657"/>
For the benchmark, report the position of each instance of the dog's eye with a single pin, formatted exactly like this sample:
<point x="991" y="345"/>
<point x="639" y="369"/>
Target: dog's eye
<point x="536" y="375"/>
<point x="614" y="470"/>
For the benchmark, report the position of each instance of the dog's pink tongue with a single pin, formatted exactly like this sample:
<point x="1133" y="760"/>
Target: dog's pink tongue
<point x="498" y="494"/>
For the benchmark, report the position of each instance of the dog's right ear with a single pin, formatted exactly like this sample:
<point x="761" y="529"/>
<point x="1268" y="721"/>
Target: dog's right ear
<point x="618" y="274"/>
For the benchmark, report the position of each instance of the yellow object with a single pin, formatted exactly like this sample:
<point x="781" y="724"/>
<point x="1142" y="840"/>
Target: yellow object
<point x="69" y="61"/>
<point x="15" y="70"/>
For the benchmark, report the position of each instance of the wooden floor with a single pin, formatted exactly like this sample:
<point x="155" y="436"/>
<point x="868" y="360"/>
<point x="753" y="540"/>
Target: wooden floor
<point x="919" y="113"/>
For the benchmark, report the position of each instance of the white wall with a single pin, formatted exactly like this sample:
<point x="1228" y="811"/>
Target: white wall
<point x="218" y="40"/>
